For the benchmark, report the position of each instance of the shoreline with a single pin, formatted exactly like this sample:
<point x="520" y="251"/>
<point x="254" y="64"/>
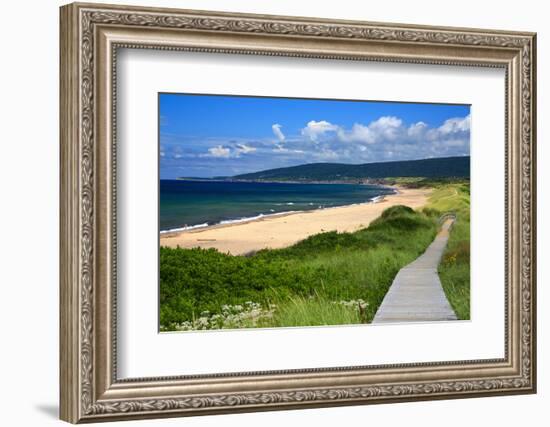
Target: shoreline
<point x="229" y="223"/>
<point x="287" y="228"/>
<point x="260" y="217"/>
<point x="205" y="226"/>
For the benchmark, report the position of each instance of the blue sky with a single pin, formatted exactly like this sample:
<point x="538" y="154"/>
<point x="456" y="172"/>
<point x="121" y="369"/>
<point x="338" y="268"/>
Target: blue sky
<point x="208" y="135"/>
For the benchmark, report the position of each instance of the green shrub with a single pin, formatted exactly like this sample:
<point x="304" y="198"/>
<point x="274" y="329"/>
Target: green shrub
<point x="314" y="273"/>
<point x="396" y="211"/>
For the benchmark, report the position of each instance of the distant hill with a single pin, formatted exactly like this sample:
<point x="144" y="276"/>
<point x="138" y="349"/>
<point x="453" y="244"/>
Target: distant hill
<point x="443" y="167"/>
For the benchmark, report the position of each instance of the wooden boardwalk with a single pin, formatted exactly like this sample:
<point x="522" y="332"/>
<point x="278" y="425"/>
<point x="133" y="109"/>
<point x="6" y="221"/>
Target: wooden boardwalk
<point x="416" y="294"/>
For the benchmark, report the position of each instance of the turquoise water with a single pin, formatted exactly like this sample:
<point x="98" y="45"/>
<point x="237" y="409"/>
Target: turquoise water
<point x="190" y="204"/>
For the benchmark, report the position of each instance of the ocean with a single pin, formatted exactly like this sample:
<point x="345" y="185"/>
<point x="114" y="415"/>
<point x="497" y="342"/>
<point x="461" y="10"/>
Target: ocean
<point x="195" y="204"/>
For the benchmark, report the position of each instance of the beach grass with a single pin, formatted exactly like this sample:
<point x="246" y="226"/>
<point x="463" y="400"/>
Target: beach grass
<point x="328" y="278"/>
<point x="454" y="269"/>
<point x="316" y="311"/>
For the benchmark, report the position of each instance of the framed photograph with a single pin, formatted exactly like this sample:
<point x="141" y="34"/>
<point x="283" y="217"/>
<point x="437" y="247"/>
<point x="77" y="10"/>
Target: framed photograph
<point x="267" y="212"/>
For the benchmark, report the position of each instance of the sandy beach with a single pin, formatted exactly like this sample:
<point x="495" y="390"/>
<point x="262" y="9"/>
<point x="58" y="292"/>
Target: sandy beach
<point x="286" y="229"/>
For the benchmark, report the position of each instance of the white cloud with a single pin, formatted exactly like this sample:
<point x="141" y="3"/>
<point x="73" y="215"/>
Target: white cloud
<point x="327" y="154"/>
<point x="383" y="129"/>
<point x="456" y="142"/>
<point x="314" y="130"/>
<point x="387" y="127"/>
<point x="387" y="137"/>
<point x="235" y="151"/>
<point x="417" y="129"/>
<point x="278" y="132"/>
<point x="219" y="151"/>
<point x="456" y="124"/>
<point x="358" y="133"/>
<point x="279" y="148"/>
<point x="245" y="149"/>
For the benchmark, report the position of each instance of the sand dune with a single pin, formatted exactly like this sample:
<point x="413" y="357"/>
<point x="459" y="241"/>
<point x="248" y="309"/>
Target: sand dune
<point x="284" y="230"/>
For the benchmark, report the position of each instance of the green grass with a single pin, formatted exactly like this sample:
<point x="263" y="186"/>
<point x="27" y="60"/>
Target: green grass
<point x="327" y="279"/>
<point x="313" y="277"/>
<point x="454" y="269"/>
<point x="422" y="182"/>
<point x="316" y="311"/>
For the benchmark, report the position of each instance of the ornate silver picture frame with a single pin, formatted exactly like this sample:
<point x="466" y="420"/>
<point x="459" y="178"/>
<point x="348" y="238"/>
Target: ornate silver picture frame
<point x="91" y="34"/>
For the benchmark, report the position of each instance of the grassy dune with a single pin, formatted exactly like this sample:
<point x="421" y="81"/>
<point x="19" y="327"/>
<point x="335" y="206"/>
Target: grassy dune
<point x="454" y="269"/>
<point x="328" y="279"/>
<point x="451" y="195"/>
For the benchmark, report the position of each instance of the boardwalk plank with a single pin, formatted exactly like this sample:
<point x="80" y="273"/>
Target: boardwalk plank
<point x="416" y="294"/>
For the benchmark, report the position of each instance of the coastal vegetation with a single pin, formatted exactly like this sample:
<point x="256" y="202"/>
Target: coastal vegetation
<point x="450" y="196"/>
<point x="327" y="279"/>
<point x="454" y="269"/>
<point x="442" y="167"/>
